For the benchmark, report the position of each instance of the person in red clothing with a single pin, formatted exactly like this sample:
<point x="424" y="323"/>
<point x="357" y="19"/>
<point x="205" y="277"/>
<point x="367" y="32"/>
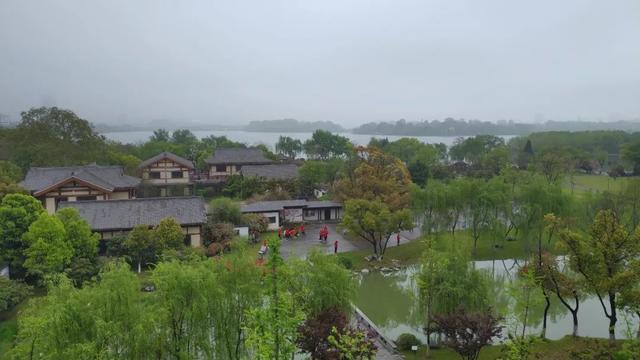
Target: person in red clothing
<point x="335" y="247"/>
<point x="324" y="234"/>
<point x="398" y="239"/>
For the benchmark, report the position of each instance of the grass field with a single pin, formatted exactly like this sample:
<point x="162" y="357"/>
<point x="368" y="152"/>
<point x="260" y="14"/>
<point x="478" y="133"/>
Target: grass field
<point x="411" y="252"/>
<point x="595" y="183"/>
<point x="8" y="331"/>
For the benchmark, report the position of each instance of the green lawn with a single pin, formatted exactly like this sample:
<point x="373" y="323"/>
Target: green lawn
<point x="411" y="252"/>
<point x="595" y="183"/>
<point x="564" y="348"/>
<point x="8" y="331"/>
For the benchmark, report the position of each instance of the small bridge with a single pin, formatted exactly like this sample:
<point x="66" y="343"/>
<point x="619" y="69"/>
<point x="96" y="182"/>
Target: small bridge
<point x="387" y="349"/>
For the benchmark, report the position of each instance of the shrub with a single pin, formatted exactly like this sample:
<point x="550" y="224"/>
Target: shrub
<point x="225" y="210"/>
<point x="255" y="222"/>
<point x="406" y="341"/>
<point x="345" y="261"/>
<point x="12" y="293"/>
<point x="217" y="233"/>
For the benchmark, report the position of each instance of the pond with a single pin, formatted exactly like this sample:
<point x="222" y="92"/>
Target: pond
<point x="390" y="301"/>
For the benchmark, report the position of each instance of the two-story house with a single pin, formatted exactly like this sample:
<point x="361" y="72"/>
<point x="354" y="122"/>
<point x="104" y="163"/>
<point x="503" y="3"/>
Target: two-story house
<point x="51" y="185"/>
<point x="226" y="162"/>
<point x="168" y="173"/>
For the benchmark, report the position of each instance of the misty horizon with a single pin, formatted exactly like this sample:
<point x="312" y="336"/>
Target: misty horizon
<point x="228" y="64"/>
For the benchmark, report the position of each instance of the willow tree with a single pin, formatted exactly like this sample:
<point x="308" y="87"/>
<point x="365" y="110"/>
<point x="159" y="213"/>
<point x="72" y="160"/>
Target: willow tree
<point x="447" y="280"/>
<point x="273" y="326"/>
<point x="607" y="260"/>
<point x="105" y="320"/>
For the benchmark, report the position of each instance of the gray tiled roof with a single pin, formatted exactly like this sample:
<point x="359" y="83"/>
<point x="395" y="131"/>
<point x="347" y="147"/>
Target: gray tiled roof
<point x="126" y="214"/>
<point x="267" y="206"/>
<point x="108" y="177"/>
<point x="323" y="204"/>
<point x="171" y="156"/>
<point x="271" y="171"/>
<point x="238" y="156"/>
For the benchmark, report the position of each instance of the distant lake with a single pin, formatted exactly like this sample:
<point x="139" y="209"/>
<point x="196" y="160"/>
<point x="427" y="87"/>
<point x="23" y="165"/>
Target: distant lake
<point x="270" y="139"/>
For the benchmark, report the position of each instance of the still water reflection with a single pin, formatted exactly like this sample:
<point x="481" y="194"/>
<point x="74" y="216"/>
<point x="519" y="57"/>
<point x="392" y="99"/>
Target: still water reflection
<point x="390" y="301"/>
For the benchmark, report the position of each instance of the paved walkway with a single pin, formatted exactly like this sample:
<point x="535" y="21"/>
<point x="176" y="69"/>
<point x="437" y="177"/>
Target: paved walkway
<point x="302" y="245"/>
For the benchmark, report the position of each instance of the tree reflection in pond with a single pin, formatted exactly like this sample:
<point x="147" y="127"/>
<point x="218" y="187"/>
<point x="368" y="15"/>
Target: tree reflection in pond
<point x="390" y="301"/>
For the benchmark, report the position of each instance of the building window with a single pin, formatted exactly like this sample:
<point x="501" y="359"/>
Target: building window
<point x="309" y="213"/>
<point x="177" y="175"/>
<point x="187" y="240"/>
<point x="221" y="168"/>
<point x="86" y="198"/>
<point x="272" y="219"/>
<point x="154" y="175"/>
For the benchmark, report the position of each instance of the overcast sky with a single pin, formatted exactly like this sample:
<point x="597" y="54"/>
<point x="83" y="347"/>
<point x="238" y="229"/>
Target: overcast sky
<point x="230" y="62"/>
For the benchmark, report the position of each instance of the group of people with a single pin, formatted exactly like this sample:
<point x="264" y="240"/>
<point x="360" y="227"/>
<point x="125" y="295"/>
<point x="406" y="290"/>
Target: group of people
<point x="291" y="232"/>
<point x="324" y="233"/>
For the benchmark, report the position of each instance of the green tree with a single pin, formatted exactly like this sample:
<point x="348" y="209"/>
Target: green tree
<point x="169" y="234"/>
<point x="103" y="320"/>
<point x="225" y="210"/>
<point x="427" y="203"/>
<point x="78" y="233"/>
<point x="53" y="137"/>
<point x="183" y="291"/>
<point x="377" y="176"/>
<point x="607" y="260"/>
<point x="9" y="172"/>
<point x="553" y="164"/>
<point x="631" y="153"/>
<point x="84" y="242"/>
<point x="473" y="148"/>
<point x="447" y="280"/>
<point x="566" y="286"/>
<point x="160" y="135"/>
<point x="328" y="284"/>
<point x="272" y="327"/>
<point x="324" y="145"/>
<point x="375" y="222"/>
<point x="288" y="147"/>
<point x="6" y="189"/>
<point x="524" y="292"/>
<point x="240" y="284"/>
<point x="141" y="245"/>
<point x="12" y="293"/>
<point x="17" y="213"/>
<point x="49" y="251"/>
